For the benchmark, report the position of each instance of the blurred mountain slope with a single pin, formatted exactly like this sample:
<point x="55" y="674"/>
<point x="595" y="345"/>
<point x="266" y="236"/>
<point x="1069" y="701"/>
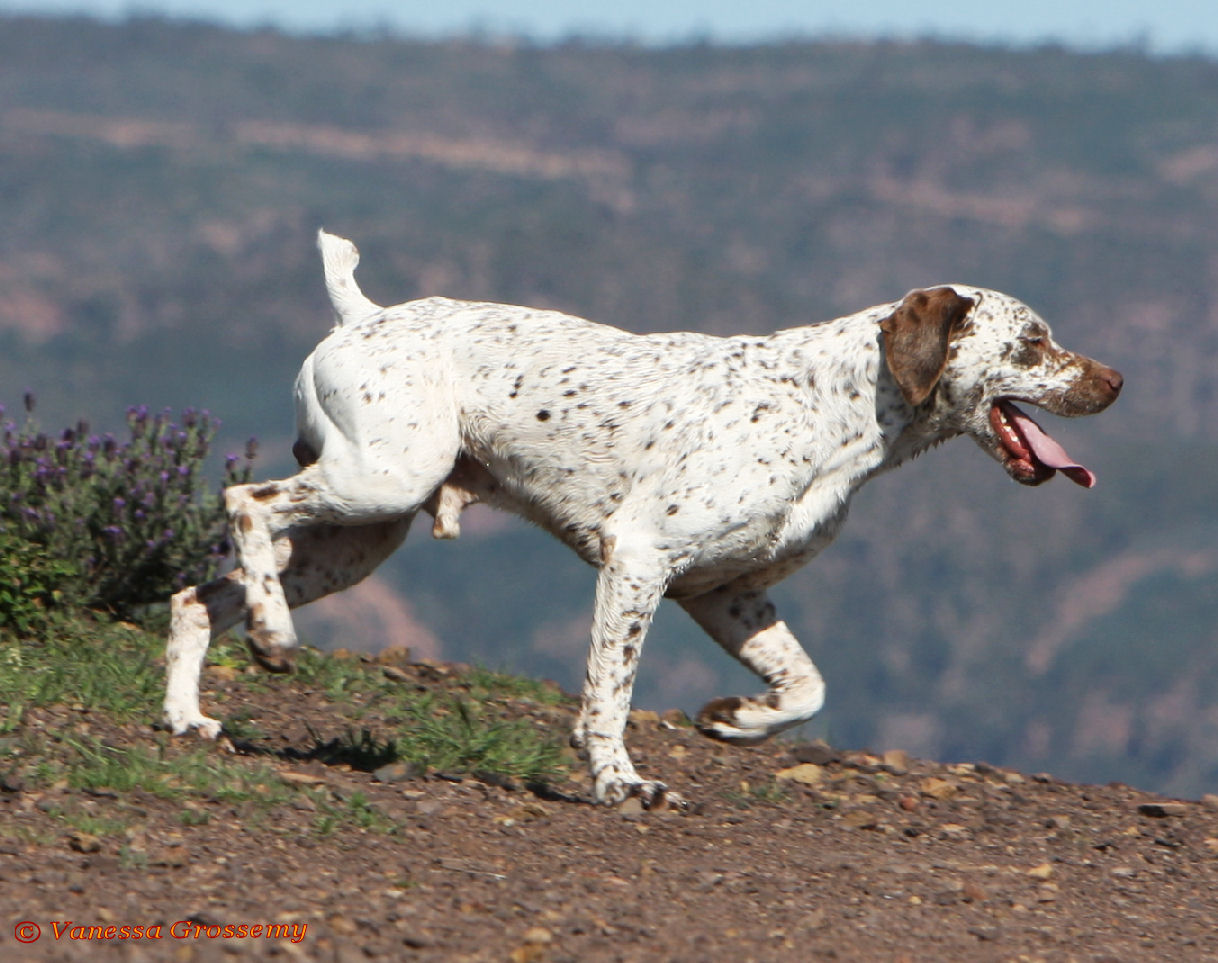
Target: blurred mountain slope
<point x="161" y="185"/>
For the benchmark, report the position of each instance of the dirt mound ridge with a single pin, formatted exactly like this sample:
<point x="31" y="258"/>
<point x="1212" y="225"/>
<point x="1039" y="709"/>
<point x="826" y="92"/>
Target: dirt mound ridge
<point x="792" y="852"/>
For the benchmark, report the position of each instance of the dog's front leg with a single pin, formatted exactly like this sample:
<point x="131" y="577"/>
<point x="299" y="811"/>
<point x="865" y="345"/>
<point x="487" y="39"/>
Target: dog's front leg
<point x="744" y="622"/>
<point x="628" y="589"/>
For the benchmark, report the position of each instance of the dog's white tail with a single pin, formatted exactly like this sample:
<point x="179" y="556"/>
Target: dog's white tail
<point x="339" y="258"/>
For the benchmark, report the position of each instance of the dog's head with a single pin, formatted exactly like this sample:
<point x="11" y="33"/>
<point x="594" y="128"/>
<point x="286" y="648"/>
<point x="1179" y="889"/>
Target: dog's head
<point x="963" y="356"/>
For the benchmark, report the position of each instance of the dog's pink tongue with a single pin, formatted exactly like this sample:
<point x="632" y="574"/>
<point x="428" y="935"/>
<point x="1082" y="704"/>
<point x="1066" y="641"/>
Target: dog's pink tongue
<point x="1048" y="451"/>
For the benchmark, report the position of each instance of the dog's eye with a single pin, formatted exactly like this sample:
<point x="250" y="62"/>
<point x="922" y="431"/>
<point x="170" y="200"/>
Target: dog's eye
<point x="1030" y="349"/>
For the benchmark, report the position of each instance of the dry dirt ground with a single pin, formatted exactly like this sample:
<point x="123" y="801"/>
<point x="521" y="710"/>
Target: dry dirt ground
<point x="791" y="853"/>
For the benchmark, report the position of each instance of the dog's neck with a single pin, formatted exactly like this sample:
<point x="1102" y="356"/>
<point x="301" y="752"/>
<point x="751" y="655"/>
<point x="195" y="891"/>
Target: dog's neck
<point x="908" y="430"/>
<point x="895" y="430"/>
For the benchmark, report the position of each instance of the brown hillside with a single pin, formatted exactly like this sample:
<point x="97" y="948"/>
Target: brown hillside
<point x="791" y="852"/>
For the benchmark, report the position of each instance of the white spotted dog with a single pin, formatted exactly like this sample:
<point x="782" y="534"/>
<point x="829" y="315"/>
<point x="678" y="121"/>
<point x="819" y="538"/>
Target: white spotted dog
<point x="686" y="466"/>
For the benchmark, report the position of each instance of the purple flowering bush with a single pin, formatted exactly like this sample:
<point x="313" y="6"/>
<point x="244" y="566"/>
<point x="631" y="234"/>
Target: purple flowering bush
<point x="106" y="523"/>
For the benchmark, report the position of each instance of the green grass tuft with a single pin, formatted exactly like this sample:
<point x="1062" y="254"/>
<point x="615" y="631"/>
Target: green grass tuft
<point x="95" y="665"/>
<point x="460" y="736"/>
<point x="486" y="684"/>
<point x="354" y="812"/>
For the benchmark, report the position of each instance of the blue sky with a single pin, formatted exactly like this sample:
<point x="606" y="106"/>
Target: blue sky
<point x="1166" y="26"/>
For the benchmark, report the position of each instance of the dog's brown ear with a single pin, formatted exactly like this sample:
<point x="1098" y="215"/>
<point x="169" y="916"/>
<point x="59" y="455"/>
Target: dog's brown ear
<point x="916" y="339"/>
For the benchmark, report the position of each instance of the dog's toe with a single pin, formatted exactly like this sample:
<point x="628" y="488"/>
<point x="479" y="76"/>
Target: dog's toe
<point x="273" y="658"/>
<point x="652" y="796"/>
<point x="664" y="800"/>
<point x="180" y="724"/>
<point x="720" y="719"/>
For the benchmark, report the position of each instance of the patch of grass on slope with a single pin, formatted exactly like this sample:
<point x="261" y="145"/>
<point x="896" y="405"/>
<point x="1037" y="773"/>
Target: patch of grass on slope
<point x="102" y="672"/>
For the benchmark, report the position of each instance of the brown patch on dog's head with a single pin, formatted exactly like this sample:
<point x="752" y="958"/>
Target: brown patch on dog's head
<point x="917" y="337"/>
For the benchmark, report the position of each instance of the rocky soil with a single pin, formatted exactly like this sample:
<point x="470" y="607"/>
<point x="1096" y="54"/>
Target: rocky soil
<point x="791" y="852"/>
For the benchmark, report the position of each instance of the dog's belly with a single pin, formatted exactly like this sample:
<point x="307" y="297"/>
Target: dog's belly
<point x="763" y="528"/>
<point x="767" y="561"/>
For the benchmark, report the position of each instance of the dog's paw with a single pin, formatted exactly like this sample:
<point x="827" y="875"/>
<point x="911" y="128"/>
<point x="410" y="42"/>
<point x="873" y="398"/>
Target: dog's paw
<point x="658" y="798"/>
<point x="180" y="723"/>
<point x="651" y="795"/>
<point x="272" y="656"/>
<point x="726" y="719"/>
<point x="207" y="728"/>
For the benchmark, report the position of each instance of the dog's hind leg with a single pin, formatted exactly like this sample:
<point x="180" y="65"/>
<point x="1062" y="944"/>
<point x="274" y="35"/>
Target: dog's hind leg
<point x="196" y="615"/>
<point x="745" y="624"/>
<point x="261" y="513"/>
<point x="313" y="562"/>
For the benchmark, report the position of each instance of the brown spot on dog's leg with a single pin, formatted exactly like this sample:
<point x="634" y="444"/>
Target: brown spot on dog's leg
<point x="265" y="492"/>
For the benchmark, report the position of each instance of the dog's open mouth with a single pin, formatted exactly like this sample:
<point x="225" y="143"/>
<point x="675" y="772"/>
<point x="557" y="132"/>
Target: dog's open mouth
<point x="1030" y="455"/>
